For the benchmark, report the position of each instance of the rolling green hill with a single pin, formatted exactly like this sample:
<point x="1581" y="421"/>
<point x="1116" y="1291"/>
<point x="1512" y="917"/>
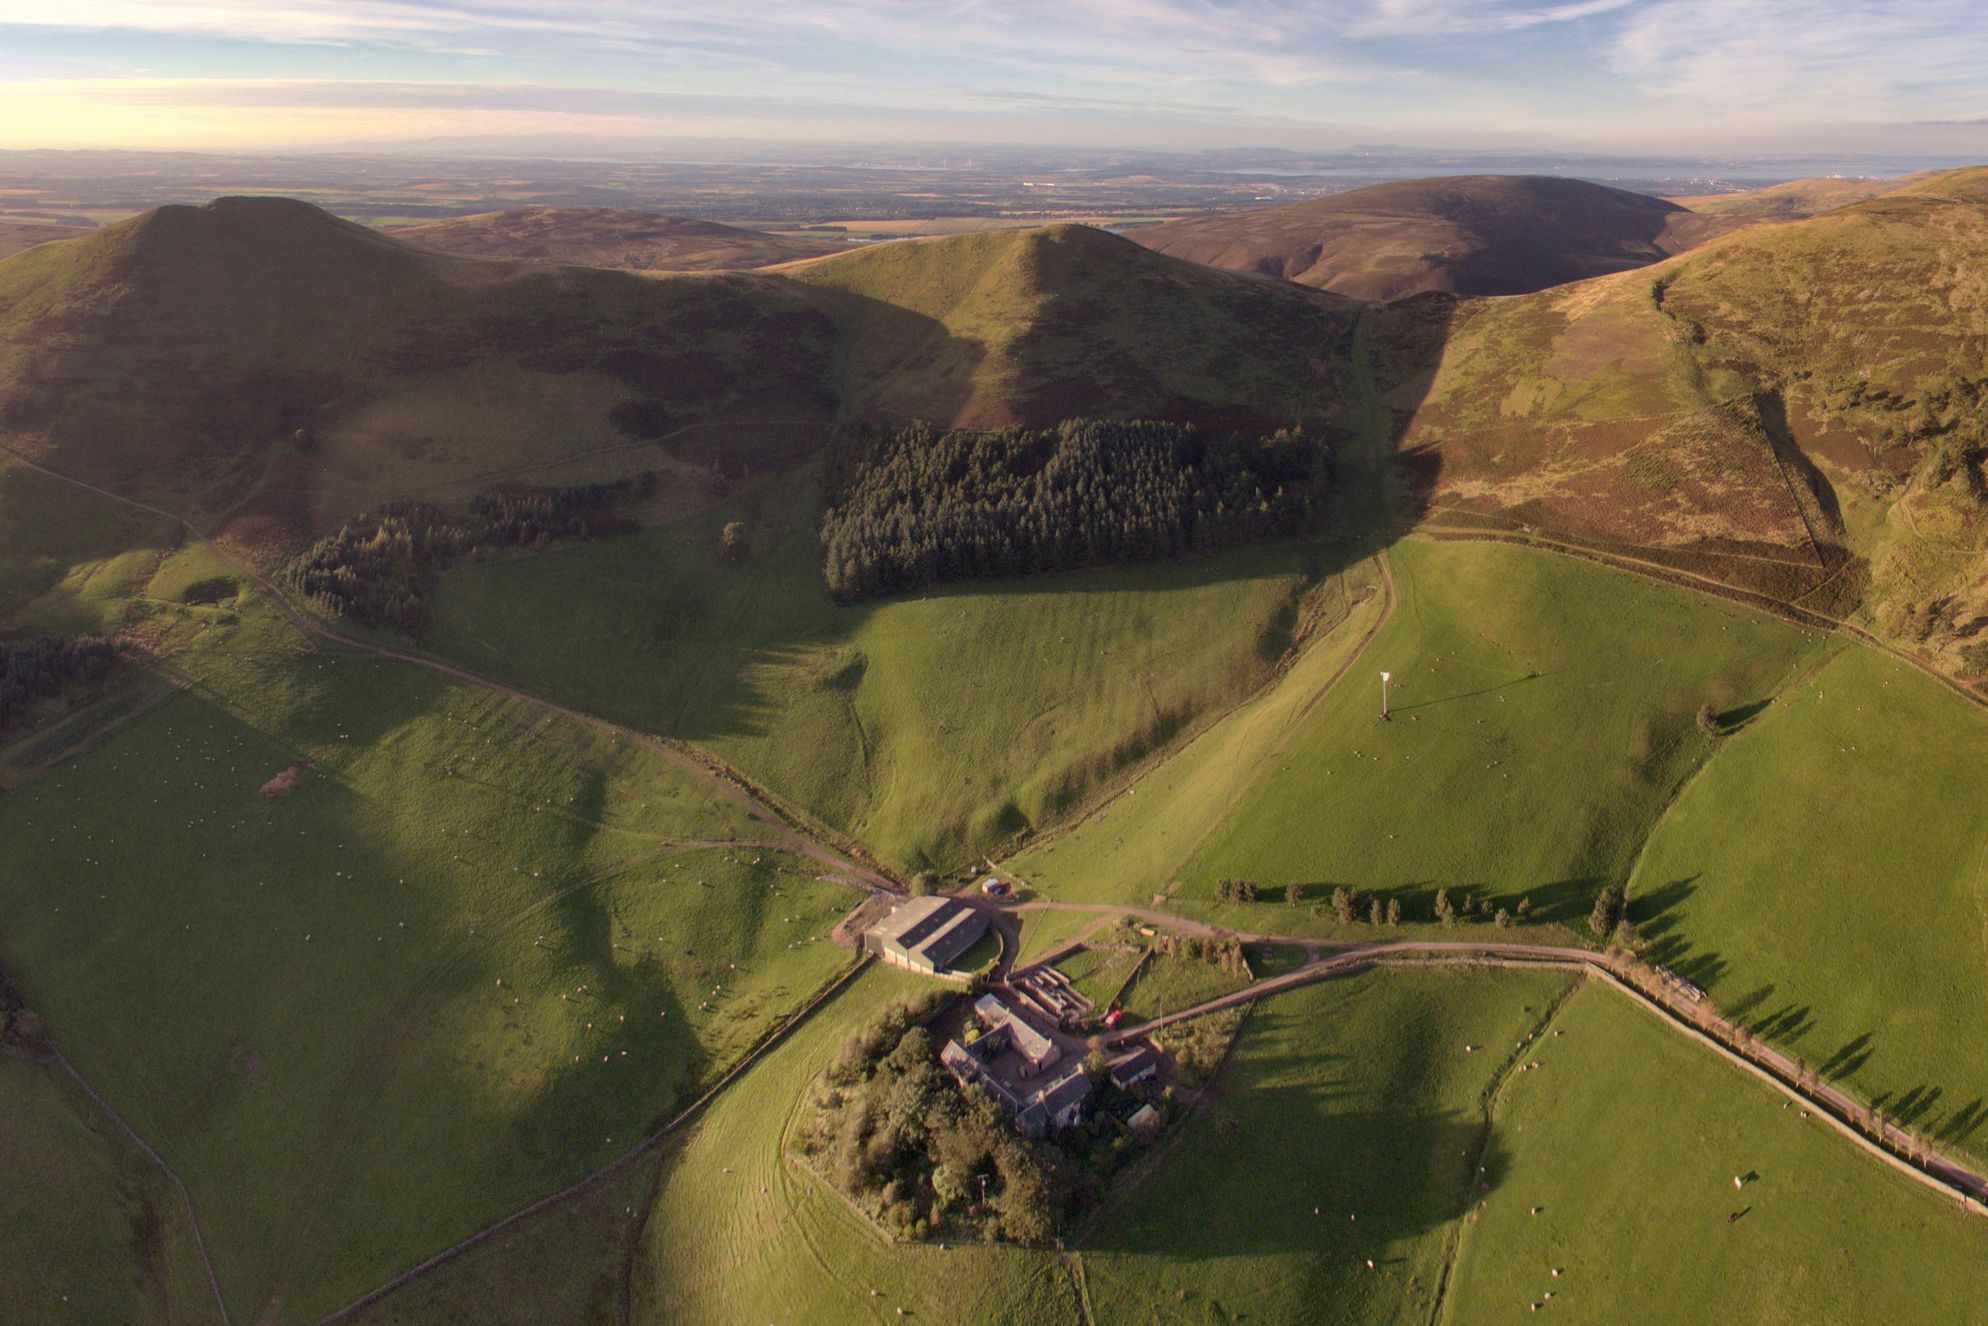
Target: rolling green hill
<point x="932" y="727"/>
<point x="259" y="361"/>
<point x="375" y="954"/>
<point x="469" y="955"/>
<point x="1817" y="880"/>
<point x="1035" y="326"/>
<point x="18" y="235"/>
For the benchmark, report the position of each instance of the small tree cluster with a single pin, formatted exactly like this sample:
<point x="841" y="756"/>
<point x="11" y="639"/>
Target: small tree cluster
<point x="1236" y="890"/>
<point x="1610" y="911"/>
<point x="1224" y="951"/>
<point x="896" y="1133"/>
<point x="20" y="1030"/>
<point x="379" y="567"/>
<point x="38" y="669"/>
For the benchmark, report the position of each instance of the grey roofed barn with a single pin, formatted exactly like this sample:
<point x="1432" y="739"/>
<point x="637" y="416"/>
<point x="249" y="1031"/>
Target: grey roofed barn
<point x="926" y="934"/>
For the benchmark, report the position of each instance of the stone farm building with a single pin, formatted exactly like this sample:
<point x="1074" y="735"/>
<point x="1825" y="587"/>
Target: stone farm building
<point x="1022" y="1066"/>
<point x="926" y="934"/>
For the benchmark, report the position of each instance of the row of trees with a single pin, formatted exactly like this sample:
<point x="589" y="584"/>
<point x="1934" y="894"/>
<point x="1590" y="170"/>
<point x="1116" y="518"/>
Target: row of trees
<point x="1351" y="905"/>
<point x="1224" y="951"/>
<point x="379" y="568"/>
<point x="895" y="1132"/>
<point x="37" y="669"/>
<point x="914" y="506"/>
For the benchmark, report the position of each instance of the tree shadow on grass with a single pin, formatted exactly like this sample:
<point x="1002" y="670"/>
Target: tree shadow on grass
<point x="1854" y="1054"/>
<point x="1961" y="1125"/>
<point x="1732" y="720"/>
<point x="1567" y="901"/>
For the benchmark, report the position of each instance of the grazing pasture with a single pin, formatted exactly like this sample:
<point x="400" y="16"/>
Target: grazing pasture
<point x="1826" y="880"/>
<point x="1616" y="1166"/>
<point x="468" y="956"/>
<point x="932" y="728"/>
<point x="94" y="1231"/>
<point x="1543" y="715"/>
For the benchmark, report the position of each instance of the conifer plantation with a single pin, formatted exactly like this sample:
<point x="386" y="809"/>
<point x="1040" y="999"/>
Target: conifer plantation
<point x="910" y="507"/>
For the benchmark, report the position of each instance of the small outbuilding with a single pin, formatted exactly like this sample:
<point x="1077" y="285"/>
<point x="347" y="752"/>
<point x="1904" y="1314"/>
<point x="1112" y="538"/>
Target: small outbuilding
<point x="1128" y="1070"/>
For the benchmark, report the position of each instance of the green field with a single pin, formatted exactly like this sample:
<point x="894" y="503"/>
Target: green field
<point x="1543" y="716"/>
<point x="1826" y="880"/>
<point x="1171" y="982"/>
<point x="1098" y="972"/>
<point x="932" y="728"/>
<point x="368" y="1015"/>
<point x="1627" y="1139"/>
<point x="1347" y="1125"/>
<point x="94" y="1230"/>
<point x="1350" y="1123"/>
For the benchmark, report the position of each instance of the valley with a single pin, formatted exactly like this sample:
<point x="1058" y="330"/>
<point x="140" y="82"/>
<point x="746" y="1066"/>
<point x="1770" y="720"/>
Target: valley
<point x="471" y="968"/>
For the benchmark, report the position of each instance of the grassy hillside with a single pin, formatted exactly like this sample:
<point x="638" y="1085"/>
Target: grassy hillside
<point x="367" y="1015"/>
<point x="931" y="728"/>
<point x="1713" y="214"/>
<point x="1034" y="326"/>
<point x="1793" y="407"/>
<point x="261" y="360"/>
<point x="725" y="1229"/>
<point x="1821" y="879"/>
<point x="94" y="1230"/>
<point x="1543" y="716"/>
<point x="1460" y="234"/>
<point x="18" y="235"/>
<point x="618" y="237"/>
<point x="1616" y="1160"/>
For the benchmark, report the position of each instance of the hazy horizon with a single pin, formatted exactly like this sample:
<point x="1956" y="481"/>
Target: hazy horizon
<point x="1614" y="77"/>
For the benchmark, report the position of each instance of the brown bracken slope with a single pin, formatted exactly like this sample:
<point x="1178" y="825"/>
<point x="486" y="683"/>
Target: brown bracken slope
<point x="617" y="237"/>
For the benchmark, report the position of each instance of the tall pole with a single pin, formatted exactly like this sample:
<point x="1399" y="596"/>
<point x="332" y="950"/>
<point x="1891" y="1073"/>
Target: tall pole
<point x="1384" y="681"/>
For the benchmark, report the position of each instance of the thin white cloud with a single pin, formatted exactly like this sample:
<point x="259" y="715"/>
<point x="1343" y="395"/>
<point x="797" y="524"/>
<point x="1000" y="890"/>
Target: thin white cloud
<point x="1806" y="59"/>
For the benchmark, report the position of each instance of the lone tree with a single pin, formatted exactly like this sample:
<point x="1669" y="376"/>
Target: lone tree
<point x="1503" y="918"/>
<point x="1611" y="906"/>
<point x="925" y="883"/>
<point x="1394" y="911"/>
<point x="732" y="540"/>
<point x="1376" y="913"/>
<point x="1445" y="909"/>
<point x="1293" y="894"/>
<point x="1708" y="722"/>
<point x="1525" y="908"/>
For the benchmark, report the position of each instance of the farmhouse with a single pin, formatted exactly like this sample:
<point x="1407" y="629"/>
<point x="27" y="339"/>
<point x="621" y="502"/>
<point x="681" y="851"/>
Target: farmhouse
<point x="926" y="934"/>
<point x="1020" y="1065"/>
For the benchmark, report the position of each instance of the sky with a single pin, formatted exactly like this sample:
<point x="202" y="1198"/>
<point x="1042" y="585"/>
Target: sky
<point x="1604" y="75"/>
